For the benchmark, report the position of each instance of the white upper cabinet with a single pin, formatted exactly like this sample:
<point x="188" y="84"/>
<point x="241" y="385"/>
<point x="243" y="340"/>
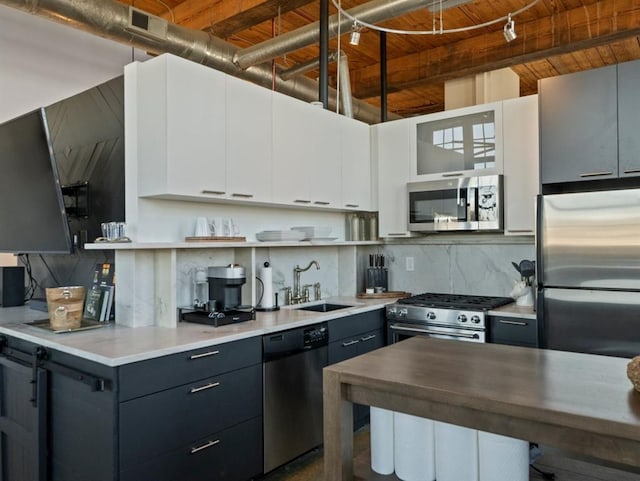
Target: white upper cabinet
<point x="521" y="164"/>
<point x="457" y="143"/>
<point x="249" y="141"/>
<point x="356" y="164"/>
<point x="306" y="154"/>
<point x="291" y="144"/>
<point x="392" y="159"/>
<point x="180" y="136"/>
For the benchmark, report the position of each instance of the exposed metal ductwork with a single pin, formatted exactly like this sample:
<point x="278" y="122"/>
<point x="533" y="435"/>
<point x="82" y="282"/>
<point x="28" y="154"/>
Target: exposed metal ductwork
<point x="113" y="20"/>
<point x="371" y="12"/>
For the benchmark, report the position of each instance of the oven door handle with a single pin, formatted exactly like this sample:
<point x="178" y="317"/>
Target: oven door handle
<point x="429" y="331"/>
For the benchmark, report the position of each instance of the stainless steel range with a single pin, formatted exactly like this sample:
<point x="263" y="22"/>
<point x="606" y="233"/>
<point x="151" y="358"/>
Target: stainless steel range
<point x="443" y="316"/>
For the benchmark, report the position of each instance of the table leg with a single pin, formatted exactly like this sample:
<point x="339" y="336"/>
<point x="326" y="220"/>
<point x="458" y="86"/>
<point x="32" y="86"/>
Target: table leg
<point x="338" y="430"/>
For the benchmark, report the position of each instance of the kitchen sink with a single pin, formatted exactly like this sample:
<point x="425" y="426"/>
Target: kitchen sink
<point x="324" y="307"/>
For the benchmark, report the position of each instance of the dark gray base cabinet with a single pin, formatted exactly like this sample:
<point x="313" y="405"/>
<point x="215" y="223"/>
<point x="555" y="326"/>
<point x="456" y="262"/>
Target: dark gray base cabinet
<point x="354" y="335"/>
<point x="179" y="417"/>
<point x="514" y="331"/>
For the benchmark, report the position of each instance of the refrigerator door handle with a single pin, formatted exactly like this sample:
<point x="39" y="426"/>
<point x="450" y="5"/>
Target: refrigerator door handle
<point x="538" y="239"/>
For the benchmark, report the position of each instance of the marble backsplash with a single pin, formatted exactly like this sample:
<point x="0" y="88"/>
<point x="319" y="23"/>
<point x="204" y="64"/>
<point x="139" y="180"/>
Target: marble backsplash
<point x="478" y="269"/>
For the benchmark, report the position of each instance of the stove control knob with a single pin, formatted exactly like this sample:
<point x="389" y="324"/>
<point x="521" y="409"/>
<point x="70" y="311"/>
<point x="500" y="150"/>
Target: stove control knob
<point x="403" y="312"/>
<point x="475" y="319"/>
<point x="431" y="315"/>
<point x="462" y="318"/>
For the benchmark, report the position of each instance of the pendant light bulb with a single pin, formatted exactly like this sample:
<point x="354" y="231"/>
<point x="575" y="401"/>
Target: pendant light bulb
<point x="509" y="30"/>
<point x="354" y="39"/>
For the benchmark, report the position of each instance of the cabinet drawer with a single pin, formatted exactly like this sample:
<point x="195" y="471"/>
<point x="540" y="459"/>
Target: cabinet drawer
<point x="234" y="454"/>
<point x="145" y="377"/>
<point x="157" y="423"/>
<point x="513" y="330"/>
<point x="353" y="325"/>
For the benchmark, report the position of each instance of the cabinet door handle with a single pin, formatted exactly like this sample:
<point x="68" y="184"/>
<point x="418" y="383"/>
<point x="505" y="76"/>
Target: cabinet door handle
<point x="302" y="201"/>
<point x="397" y="233"/>
<point x="368" y="338"/>
<point x="244" y="196"/>
<point x="205" y="387"/>
<point x="453" y="174"/>
<point x="353" y="206"/>
<point x="321" y="202"/>
<point x="350" y="343"/>
<point x="595" y="174"/>
<point x="520" y="230"/>
<point x="206" y="445"/>
<point x="204" y="354"/>
<point x="513" y="323"/>
<point x="213" y="192"/>
<point x="631" y="171"/>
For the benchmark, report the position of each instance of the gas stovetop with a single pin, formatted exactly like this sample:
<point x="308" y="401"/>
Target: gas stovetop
<point x="456" y="301"/>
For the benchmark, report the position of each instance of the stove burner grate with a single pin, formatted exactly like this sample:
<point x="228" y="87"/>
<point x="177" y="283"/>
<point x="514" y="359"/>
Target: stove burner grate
<point x="456" y="301"/>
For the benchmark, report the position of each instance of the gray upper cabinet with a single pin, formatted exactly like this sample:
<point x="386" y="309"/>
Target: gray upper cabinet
<point x="628" y="108"/>
<point x="578" y="126"/>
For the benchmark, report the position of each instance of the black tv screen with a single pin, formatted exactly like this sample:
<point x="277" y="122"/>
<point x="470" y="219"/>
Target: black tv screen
<point x="32" y="213"/>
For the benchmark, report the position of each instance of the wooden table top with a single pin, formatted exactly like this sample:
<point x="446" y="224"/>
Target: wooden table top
<point x="561" y="389"/>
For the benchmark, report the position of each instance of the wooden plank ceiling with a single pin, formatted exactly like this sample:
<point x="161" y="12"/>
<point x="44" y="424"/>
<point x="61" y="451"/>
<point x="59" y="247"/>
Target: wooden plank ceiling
<point x="553" y="37"/>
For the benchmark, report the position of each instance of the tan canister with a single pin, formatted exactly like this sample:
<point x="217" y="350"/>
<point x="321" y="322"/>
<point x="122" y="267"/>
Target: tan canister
<point x="65" y="306"/>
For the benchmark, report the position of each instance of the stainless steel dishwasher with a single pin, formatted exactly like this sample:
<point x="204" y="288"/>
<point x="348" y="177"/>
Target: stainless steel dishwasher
<point x="292" y="392"/>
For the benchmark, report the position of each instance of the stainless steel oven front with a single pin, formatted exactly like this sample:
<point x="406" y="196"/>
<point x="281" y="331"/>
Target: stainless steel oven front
<point x="407" y="321"/>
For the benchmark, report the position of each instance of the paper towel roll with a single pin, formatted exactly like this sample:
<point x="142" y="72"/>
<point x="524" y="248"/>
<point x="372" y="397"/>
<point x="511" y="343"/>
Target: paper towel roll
<point x="414" y="454"/>
<point x="266" y="276"/>
<point x="456" y="453"/>
<point x="381" y="427"/>
<point x="502" y="458"/>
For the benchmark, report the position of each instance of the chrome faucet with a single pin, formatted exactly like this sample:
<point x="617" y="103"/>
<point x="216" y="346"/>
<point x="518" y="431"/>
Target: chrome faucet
<point x="298" y="297"/>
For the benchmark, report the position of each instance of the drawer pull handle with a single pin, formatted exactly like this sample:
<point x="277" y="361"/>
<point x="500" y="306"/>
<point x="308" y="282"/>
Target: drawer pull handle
<point x="514" y="323"/>
<point x="204" y="354"/>
<point x="352" y="206"/>
<point x="453" y="174"/>
<point x="244" y="196"/>
<point x="205" y="387"/>
<point x="204" y="446"/>
<point x="595" y="174"/>
<point x="631" y="171"/>
<point x="321" y="202"/>
<point x="350" y="343"/>
<point x="520" y="230"/>
<point x="397" y="234"/>
<point x="302" y="201"/>
<point x="213" y="192"/>
<point x="368" y="338"/>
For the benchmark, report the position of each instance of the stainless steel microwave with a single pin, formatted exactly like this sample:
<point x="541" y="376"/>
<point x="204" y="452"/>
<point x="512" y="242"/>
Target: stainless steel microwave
<point x="460" y="204"/>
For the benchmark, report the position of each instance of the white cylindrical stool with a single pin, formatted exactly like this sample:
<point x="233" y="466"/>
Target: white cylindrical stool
<point x="414" y="448"/>
<point x="381" y="427"/>
<point x="456" y="453"/>
<point x="502" y="458"/>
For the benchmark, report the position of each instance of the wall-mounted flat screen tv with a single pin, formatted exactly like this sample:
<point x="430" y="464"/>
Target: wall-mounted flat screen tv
<point x="32" y="212"/>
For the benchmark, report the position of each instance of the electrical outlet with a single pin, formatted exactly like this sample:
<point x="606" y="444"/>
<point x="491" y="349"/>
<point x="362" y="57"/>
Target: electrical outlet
<point x="410" y="265"/>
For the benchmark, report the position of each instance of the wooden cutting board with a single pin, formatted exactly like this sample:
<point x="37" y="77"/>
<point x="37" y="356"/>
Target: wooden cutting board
<point x="215" y="239"/>
<point x="383" y="295"/>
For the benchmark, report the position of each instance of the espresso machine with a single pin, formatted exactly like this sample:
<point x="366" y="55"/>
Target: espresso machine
<point x="225" y="298"/>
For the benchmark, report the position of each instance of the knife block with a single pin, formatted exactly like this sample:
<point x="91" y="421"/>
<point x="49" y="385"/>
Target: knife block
<point x="377" y="277"/>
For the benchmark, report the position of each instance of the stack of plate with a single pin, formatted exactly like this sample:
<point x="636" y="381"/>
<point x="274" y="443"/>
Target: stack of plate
<point x="280" y="236"/>
<point x="315" y="233"/>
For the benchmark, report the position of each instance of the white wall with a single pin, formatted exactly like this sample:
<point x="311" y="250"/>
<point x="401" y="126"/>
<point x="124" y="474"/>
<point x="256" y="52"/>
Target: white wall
<point x="42" y="61"/>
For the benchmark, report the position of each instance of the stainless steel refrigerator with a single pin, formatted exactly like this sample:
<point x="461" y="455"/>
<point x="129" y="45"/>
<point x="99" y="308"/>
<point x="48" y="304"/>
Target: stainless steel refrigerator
<point x="588" y="272"/>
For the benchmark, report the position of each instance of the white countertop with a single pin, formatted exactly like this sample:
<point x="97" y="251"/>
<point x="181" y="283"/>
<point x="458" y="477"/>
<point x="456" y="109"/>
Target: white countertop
<point x="513" y="310"/>
<point x="115" y="345"/>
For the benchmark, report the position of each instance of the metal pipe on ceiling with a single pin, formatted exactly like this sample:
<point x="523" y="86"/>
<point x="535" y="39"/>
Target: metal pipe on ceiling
<point x="110" y="19"/>
<point x="305" y="67"/>
<point x="371" y="12"/>
<point x="323" y="84"/>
